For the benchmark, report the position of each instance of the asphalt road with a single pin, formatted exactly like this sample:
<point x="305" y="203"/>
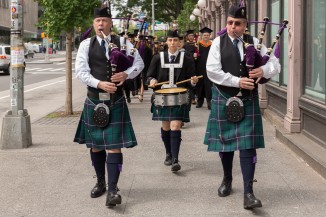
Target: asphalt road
<point x="36" y="73"/>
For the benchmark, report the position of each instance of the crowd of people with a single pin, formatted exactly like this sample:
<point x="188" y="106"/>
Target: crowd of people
<point x="181" y="71"/>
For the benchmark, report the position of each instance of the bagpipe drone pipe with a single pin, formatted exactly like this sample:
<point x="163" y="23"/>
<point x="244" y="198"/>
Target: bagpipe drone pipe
<point x="252" y="55"/>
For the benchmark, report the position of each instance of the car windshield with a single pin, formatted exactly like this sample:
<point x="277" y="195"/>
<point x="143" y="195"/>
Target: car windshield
<point x="7" y="50"/>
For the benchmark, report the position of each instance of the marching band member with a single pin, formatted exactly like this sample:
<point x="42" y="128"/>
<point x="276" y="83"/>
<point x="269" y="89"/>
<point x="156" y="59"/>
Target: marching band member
<point x="238" y="128"/>
<point x="171" y="116"/>
<point x="105" y="126"/>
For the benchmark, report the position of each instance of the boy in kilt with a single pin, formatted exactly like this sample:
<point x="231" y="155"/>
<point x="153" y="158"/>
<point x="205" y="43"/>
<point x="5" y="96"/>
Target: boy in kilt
<point x="171" y="116"/>
<point x="226" y="68"/>
<point x="93" y="68"/>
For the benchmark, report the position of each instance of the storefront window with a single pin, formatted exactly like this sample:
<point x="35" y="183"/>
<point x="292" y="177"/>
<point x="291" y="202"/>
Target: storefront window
<point x="315" y="55"/>
<point x="274" y="17"/>
<point x="284" y="46"/>
<point x="279" y="12"/>
<point x="252" y="16"/>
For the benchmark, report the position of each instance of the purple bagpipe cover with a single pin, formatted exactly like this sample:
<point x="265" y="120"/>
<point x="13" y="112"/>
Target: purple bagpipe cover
<point x="255" y="60"/>
<point x="120" y="60"/>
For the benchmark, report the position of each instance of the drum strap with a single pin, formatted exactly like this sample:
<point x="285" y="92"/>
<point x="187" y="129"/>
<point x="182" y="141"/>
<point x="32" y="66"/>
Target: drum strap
<point x="176" y="65"/>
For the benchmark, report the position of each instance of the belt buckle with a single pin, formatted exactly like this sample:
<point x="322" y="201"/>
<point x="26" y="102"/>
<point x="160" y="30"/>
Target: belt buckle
<point x="104" y="96"/>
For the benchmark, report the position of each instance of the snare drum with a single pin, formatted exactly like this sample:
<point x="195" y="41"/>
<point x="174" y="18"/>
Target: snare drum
<point x="171" y="97"/>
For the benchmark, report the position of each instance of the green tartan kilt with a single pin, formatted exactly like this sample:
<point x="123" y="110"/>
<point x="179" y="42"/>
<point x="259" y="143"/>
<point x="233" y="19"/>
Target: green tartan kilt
<point x="118" y="134"/>
<point x="225" y="136"/>
<point x="170" y="113"/>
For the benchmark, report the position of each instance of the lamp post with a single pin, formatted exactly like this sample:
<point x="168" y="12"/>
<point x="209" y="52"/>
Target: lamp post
<point x="153" y="19"/>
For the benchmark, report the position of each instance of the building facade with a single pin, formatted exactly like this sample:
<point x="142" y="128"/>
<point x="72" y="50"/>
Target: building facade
<point x="30" y="10"/>
<point x="297" y="95"/>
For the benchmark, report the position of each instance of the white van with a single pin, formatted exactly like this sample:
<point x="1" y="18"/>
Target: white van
<point x="5" y="58"/>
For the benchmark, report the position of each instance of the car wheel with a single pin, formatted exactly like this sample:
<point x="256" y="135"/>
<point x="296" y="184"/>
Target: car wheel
<point x="7" y="71"/>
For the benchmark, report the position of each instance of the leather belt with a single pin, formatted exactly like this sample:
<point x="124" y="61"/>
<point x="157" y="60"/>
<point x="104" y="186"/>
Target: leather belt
<point x="96" y="95"/>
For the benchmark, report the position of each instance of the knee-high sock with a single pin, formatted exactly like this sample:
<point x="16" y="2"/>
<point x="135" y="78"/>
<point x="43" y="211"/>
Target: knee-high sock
<point x="227" y="163"/>
<point x="166" y="137"/>
<point x="98" y="161"/>
<point x="248" y="159"/>
<point x="175" y="143"/>
<point x="114" y="167"/>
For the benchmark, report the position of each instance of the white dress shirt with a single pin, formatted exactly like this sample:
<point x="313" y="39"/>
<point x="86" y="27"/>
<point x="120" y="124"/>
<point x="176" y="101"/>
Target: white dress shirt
<point x="83" y="70"/>
<point x="218" y="76"/>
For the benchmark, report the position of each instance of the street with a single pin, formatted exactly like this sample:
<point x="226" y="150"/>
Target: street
<point x="37" y="72"/>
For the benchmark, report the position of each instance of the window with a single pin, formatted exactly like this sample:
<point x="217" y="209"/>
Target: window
<point x="252" y="16"/>
<point x="315" y="49"/>
<point x="278" y="12"/>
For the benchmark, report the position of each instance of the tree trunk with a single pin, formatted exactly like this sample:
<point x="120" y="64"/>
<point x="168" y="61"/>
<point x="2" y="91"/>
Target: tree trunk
<point x="68" y="105"/>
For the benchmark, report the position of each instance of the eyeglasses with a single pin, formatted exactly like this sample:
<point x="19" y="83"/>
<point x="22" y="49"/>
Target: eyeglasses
<point x="236" y="23"/>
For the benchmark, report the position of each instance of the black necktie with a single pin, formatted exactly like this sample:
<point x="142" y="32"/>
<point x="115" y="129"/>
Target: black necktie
<point x="103" y="45"/>
<point x="172" y="58"/>
<point x="235" y="44"/>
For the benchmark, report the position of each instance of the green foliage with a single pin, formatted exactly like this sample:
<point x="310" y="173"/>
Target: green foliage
<point x="64" y="15"/>
<point x="184" y="21"/>
<point x="165" y="10"/>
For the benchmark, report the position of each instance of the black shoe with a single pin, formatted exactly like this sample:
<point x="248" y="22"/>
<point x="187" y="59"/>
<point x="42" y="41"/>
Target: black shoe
<point x="98" y="189"/>
<point x="168" y="160"/>
<point x="175" y="166"/>
<point x="199" y="105"/>
<point x="113" y="198"/>
<point x="128" y="100"/>
<point x="209" y="106"/>
<point x="225" y="188"/>
<point x="250" y="201"/>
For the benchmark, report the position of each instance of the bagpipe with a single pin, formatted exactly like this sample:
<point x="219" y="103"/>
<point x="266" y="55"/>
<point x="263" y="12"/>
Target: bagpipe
<point x="252" y="54"/>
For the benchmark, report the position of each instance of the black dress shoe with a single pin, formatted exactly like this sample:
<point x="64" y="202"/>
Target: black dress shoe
<point x="113" y="198"/>
<point x="225" y="188"/>
<point x="175" y="166"/>
<point x="128" y="100"/>
<point x="250" y="201"/>
<point x="168" y="160"/>
<point x="199" y="105"/>
<point x="98" y="189"/>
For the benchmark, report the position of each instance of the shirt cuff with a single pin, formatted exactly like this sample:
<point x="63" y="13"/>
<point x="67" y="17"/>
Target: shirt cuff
<point x="130" y="70"/>
<point x="235" y="81"/>
<point x="94" y="83"/>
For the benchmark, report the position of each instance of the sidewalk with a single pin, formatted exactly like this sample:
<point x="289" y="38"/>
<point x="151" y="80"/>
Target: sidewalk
<point x="54" y="176"/>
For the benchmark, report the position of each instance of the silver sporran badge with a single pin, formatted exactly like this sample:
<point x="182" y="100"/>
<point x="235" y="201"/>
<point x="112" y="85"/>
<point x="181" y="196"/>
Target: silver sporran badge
<point x="101" y="115"/>
<point x="234" y="111"/>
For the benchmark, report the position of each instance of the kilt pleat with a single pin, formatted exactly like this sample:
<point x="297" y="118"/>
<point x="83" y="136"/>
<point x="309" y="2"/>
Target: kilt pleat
<point x="225" y="136"/>
<point x="118" y="134"/>
<point x="170" y="113"/>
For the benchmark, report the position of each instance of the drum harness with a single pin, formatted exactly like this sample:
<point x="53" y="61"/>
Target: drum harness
<point x="162" y="100"/>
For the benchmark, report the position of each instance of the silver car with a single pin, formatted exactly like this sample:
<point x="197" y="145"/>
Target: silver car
<point x="5" y="58"/>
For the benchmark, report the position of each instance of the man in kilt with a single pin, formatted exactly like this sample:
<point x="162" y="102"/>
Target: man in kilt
<point x="226" y="68"/>
<point x="93" y="68"/>
<point x="171" y="116"/>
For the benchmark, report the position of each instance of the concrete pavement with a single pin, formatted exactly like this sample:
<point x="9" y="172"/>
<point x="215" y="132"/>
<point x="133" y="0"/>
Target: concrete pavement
<point x="54" y="176"/>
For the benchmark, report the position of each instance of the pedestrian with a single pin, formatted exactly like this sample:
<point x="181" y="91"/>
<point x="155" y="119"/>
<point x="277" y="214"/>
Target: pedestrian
<point x="204" y="86"/>
<point x="234" y="87"/>
<point x="191" y="47"/>
<point x="105" y="126"/>
<point x="171" y="115"/>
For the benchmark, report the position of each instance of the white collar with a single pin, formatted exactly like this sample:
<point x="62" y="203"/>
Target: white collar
<point x="175" y="54"/>
<point x="99" y="39"/>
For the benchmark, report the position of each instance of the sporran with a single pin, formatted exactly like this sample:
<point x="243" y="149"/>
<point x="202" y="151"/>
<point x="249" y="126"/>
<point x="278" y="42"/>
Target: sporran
<point x="101" y="115"/>
<point x="234" y="111"/>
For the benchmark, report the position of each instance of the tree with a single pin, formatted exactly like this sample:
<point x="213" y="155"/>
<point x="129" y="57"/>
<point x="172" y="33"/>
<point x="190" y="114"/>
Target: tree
<point x="63" y="16"/>
<point x="165" y="10"/>
<point x="184" y="20"/>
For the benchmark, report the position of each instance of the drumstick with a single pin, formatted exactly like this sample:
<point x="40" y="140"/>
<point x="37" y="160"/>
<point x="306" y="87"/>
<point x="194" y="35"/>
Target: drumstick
<point x="180" y="82"/>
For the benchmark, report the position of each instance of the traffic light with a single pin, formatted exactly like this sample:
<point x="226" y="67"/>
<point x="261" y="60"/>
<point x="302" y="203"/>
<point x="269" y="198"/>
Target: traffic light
<point x="42" y="35"/>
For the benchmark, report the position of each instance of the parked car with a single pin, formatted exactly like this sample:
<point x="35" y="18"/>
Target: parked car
<point x="5" y="58"/>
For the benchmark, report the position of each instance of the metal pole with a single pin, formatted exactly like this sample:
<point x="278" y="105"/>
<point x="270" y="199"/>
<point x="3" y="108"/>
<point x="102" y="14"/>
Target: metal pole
<point x="16" y="127"/>
<point x="47" y="47"/>
<point x="153" y="21"/>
